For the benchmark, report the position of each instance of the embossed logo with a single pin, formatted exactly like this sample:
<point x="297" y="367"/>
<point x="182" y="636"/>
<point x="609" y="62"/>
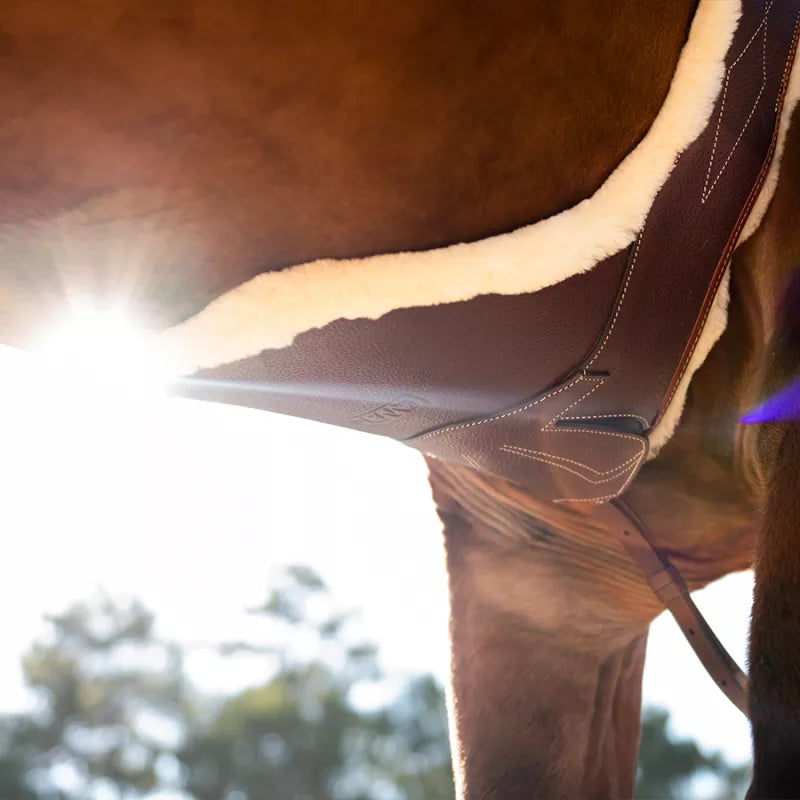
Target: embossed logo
<point x="389" y="411"/>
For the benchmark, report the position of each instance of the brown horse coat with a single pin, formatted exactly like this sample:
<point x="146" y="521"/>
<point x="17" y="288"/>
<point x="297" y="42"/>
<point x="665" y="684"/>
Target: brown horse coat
<point x="164" y="153"/>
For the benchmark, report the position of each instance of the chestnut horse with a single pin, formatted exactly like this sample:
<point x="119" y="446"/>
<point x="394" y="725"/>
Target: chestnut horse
<point x="162" y="153"/>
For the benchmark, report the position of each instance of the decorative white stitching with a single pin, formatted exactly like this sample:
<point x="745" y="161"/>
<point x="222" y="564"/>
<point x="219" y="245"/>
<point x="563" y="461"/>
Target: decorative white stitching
<point x="737" y="230"/>
<point x="560" y="415"/>
<point x="548" y="427"/>
<point x="471" y="461"/>
<point x="786" y="66"/>
<point x="552" y="459"/>
<point x="706" y="193"/>
<point x="603" y="498"/>
<point x="583" y="376"/>
<point x="494" y="417"/>
<point x="568" y="469"/>
<point x="623" y="295"/>
<point x="525" y="452"/>
<point x="635" y="461"/>
<point x="542" y="456"/>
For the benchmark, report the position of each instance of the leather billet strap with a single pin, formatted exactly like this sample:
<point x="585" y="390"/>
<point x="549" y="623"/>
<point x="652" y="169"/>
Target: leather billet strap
<point x="668" y="585"/>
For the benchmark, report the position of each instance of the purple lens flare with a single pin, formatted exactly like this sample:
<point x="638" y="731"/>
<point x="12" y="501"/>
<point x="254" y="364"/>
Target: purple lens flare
<point x="781" y="407"/>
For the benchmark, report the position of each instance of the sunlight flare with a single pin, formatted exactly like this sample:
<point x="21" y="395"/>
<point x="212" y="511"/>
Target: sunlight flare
<point x="102" y="355"/>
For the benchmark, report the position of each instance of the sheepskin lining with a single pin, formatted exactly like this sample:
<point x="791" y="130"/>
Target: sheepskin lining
<point x="270" y="310"/>
<point x="718" y="316"/>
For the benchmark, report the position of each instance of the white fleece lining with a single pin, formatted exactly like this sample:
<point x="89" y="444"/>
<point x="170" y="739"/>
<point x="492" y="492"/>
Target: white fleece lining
<point x="270" y="310"/>
<point x="718" y="316"/>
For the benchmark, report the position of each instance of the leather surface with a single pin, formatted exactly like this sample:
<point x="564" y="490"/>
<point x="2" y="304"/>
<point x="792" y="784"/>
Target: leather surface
<point x="667" y="584"/>
<point x="417" y="369"/>
<point x="553" y="390"/>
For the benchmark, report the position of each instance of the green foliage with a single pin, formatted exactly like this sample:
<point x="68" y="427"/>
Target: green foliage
<point x="300" y="734"/>
<point x="117" y="716"/>
<point x="14" y="760"/>
<point x="286" y="739"/>
<point x="668" y="765"/>
<point x="100" y="677"/>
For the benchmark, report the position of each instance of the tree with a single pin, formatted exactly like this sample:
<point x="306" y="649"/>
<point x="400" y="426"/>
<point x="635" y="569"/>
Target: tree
<point x="668" y="765"/>
<point x="14" y="760"/>
<point x="118" y="717"/>
<point x="300" y="735"/>
<point x="110" y="694"/>
<point x="422" y="769"/>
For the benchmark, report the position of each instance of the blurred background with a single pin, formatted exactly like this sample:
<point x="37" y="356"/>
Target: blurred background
<point x="216" y="603"/>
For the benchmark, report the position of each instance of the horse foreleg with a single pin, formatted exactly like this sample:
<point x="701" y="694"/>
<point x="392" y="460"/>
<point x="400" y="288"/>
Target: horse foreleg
<point x="775" y="629"/>
<point x="546" y="668"/>
<point x="775" y="632"/>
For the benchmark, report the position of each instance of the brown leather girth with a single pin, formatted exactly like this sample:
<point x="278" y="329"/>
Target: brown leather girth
<point x="556" y="390"/>
<point x="669" y="587"/>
